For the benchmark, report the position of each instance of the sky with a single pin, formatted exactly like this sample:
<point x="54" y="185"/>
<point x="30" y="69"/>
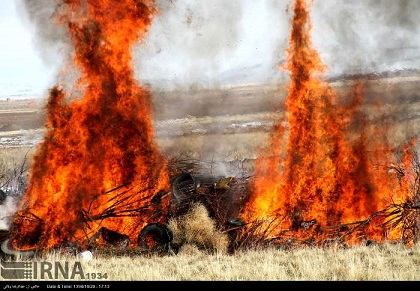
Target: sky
<point x="22" y="69"/>
<point x="218" y="42"/>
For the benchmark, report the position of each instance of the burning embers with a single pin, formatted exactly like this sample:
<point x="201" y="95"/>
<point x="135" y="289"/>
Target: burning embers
<point x="98" y="159"/>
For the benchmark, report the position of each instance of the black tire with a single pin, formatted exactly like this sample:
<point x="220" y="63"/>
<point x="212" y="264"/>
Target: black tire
<point x="155" y="236"/>
<point x="184" y="191"/>
<point x="183" y="186"/>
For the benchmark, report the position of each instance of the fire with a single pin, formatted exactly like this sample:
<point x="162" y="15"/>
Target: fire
<point x="327" y="167"/>
<point x="98" y="165"/>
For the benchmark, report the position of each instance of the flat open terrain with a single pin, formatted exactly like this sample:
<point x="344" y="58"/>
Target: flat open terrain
<point x="228" y="124"/>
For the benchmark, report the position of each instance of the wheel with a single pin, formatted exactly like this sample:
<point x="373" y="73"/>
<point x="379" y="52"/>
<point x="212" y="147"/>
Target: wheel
<point x="183" y="186"/>
<point x="154" y="235"/>
<point x="184" y="190"/>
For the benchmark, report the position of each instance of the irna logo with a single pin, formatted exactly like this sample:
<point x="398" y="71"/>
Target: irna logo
<point x="41" y="270"/>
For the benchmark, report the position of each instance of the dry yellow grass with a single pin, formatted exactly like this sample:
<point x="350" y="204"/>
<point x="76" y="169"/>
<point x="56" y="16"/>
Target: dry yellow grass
<point x="382" y="262"/>
<point x="361" y="263"/>
<point x="196" y="229"/>
<point x="11" y="158"/>
<point x="203" y="257"/>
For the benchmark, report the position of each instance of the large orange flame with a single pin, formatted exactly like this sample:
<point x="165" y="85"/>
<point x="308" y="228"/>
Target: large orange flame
<point x="98" y="165"/>
<point x="322" y="168"/>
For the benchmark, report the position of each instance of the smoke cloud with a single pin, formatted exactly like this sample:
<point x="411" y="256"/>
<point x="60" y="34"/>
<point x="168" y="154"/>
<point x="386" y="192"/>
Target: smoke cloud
<point x="367" y="36"/>
<point x="243" y="41"/>
<point x="7" y="210"/>
<point x="49" y="38"/>
<point x="201" y="43"/>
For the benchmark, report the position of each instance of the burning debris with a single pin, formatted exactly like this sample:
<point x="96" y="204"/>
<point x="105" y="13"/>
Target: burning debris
<point x="322" y="170"/>
<point x="222" y="207"/>
<point x="98" y="158"/>
<point x="109" y="237"/>
<point x="98" y="178"/>
<point x="155" y="235"/>
<point x="184" y="191"/>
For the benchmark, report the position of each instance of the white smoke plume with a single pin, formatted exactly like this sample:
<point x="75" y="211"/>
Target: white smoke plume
<point x="208" y="44"/>
<point x="365" y="36"/>
<point x="200" y="43"/>
<point x="205" y="43"/>
<point x="7" y="210"/>
<point x="49" y="38"/>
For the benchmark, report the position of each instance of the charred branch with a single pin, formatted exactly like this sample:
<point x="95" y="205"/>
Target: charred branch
<point x="123" y="204"/>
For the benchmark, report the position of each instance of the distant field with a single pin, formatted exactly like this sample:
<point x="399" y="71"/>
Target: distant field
<point x="230" y="121"/>
<point x="230" y="127"/>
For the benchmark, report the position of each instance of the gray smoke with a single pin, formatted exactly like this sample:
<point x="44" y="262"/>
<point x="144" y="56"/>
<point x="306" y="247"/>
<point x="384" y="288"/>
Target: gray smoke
<point x="200" y="43"/>
<point x="7" y="210"/>
<point x="367" y="35"/>
<point x="210" y="43"/>
<point x="49" y="38"/>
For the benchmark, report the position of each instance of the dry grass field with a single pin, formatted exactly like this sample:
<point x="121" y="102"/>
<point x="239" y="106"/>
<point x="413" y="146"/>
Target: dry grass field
<point x="203" y="257"/>
<point x="226" y="129"/>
